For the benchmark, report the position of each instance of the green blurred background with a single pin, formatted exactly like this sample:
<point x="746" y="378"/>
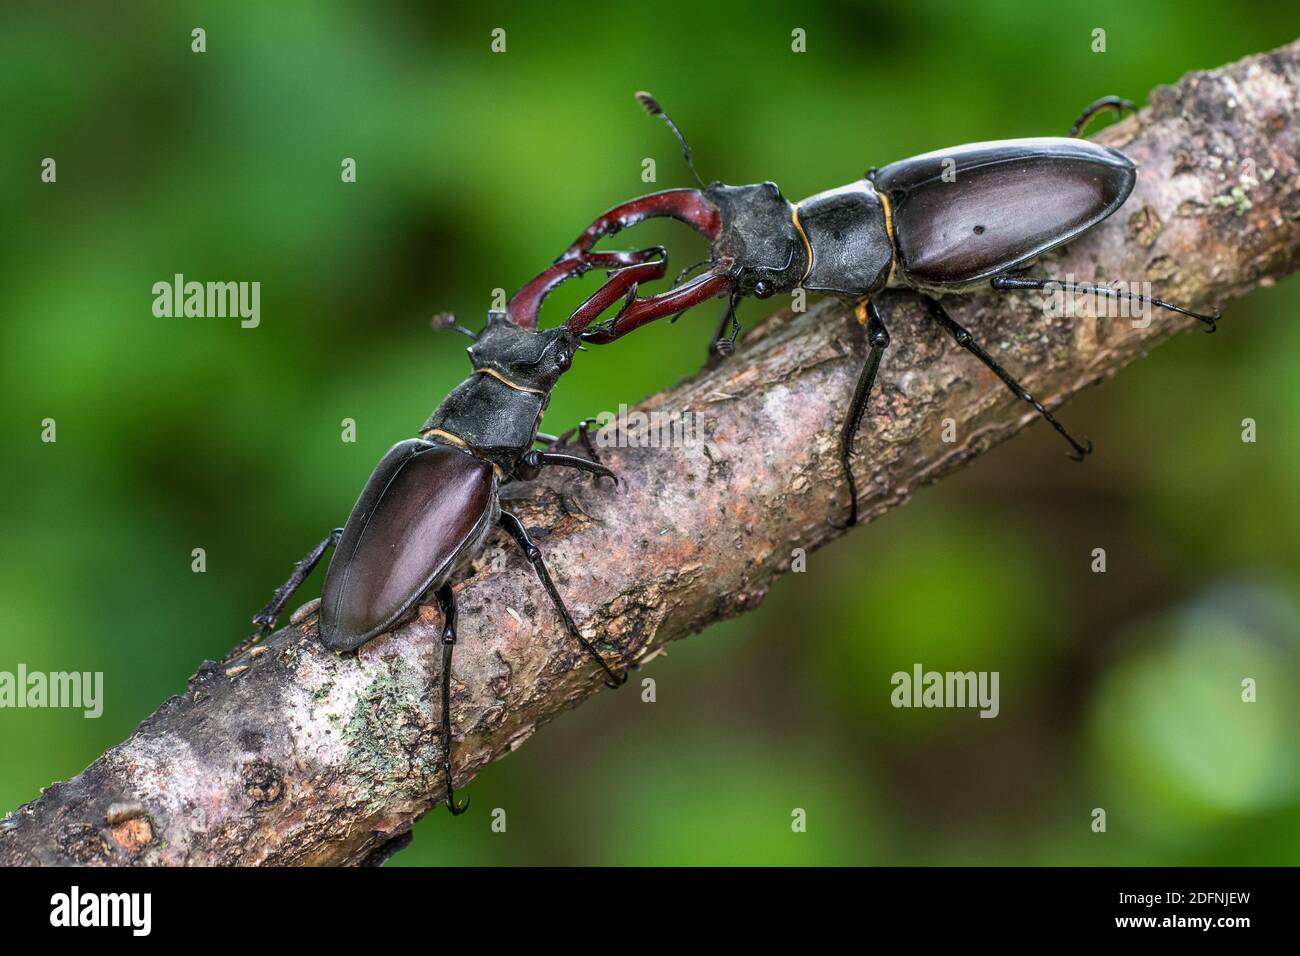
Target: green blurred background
<point x="1119" y="691"/>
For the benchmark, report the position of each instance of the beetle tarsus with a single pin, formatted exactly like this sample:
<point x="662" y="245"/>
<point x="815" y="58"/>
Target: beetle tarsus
<point x="447" y="602"/>
<point x="265" y="619"/>
<point x="681" y="277"/>
<point x="721" y="347"/>
<point x="964" y="339"/>
<point x="1007" y="283"/>
<point x="515" y="528"/>
<point x="583" y="431"/>
<point x="535" y="461"/>
<point x="878" y="339"/>
<point x="1116" y="103"/>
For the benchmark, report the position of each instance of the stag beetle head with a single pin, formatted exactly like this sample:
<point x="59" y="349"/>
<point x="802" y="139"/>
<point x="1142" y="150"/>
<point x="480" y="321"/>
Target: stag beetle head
<point x="533" y="358"/>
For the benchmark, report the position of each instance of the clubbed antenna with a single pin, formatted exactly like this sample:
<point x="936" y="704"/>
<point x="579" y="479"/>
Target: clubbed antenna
<point x="447" y="320"/>
<point x="651" y="106"/>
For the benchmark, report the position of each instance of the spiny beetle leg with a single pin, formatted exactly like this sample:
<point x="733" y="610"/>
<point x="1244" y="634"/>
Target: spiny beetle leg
<point x="963" y="338"/>
<point x="1116" y="103"/>
<point x="447" y="602"/>
<point x="265" y="619"/>
<point x="719" y="347"/>
<point x="584" y="438"/>
<point x="516" y="530"/>
<point x="878" y="338"/>
<point x="532" y="463"/>
<point x="573" y="461"/>
<point x="681" y="276"/>
<point x="1007" y="283"/>
<point x="582" y="430"/>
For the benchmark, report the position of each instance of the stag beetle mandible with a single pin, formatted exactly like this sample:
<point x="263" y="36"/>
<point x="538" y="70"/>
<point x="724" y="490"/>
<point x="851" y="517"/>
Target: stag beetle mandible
<point x="933" y="224"/>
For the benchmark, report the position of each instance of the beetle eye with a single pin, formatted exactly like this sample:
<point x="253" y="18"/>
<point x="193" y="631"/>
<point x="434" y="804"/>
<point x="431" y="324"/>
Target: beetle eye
<point x="762" y="288"/>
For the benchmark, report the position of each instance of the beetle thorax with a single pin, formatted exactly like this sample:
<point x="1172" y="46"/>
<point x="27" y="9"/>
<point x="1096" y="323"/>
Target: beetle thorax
<point x="496" y="411"/>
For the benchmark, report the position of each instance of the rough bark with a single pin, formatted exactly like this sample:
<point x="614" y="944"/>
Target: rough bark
<point x="289" y="754"/>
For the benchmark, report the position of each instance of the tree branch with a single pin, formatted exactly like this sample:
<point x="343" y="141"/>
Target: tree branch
<point x="290" y="754"/>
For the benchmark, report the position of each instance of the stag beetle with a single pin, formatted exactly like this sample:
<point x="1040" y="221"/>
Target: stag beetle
<point x="933" y="224"/>
<point x="432" y="500"/>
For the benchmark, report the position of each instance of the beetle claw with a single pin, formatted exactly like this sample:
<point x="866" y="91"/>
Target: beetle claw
<point x="457" y="808"/>
<point x="598" y="471"/>
<point x="841" y="526"/>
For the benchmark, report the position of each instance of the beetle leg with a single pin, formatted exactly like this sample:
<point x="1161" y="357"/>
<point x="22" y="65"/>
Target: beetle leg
<point x="1006" y="283"/>
<point x="447" y="602"/>
<point x="516" y="529"/>
<point x="693" y="267"/>
<point x="541" y="459"/>
<point x="582" y="430"/>
<point x="265" y="618"/>
<point x="963" y="338"/>
<point x="878" y="337"/>
<point x="720" y="348"/>
<point x="1116" y="103"/>
<point x="584" y="439"/>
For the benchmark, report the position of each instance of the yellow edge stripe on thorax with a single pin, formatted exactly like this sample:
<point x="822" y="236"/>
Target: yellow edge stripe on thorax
<point x="439" y="433"/>
<point x="889" y="216"/>
<point x="461" y="443"/>
<point x="515" y="385"/>
<point x="889" y="231"/>
<point x="806" y="244"/>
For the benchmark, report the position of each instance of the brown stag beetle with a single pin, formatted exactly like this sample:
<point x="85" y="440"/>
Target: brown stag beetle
<point x="938" y="223"/>
<point x="432" y="500"/>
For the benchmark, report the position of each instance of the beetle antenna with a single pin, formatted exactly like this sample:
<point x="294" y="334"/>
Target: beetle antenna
<point x="651" y="106"/>
<point x="447" y="320"/>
